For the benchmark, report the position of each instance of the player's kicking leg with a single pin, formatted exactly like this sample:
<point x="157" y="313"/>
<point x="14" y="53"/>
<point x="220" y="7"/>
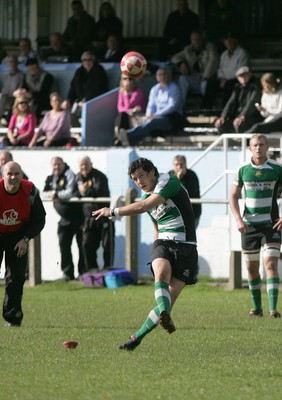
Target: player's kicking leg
<point x="153" y="319"/>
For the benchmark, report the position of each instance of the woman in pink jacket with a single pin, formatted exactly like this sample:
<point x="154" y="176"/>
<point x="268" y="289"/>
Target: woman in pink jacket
<point x="131" y="106"/>
<point x="22" y="124"/>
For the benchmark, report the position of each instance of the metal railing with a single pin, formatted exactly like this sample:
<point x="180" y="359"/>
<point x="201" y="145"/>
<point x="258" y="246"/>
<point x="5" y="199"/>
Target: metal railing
<point x="241" y="140"/>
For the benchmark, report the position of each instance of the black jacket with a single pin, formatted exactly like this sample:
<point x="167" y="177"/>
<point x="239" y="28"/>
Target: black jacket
<point x="181" y="26"/>
<point x="37" y="215"/>
<point x="191" y="182"/>
<point x="243" y="99"/>
<point x="63" y="186"/>
<point x="87" y="85"/>
<point x="97" y="187"/>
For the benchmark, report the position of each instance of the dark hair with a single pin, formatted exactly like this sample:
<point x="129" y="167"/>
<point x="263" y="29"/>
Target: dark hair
<point x="58" y="34"/>
<point x="77" y="3"/>
<point x="143" y="163"/>
<point x="31" y="61"/>
<point x="27" y="40"/>
<point x="232" y="35"/>
<point x="109" y="6"/>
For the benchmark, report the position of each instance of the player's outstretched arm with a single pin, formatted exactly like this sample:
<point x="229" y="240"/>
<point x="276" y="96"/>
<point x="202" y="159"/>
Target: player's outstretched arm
<point x="138" y="207"/>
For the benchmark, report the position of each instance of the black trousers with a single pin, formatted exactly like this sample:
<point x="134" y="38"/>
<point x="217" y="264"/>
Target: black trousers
<point x="15" y="276"/>
<point x="95" y="232"/>
<point x="267" y="127"/>
<point x="66" y="234"/>
<point x="55" y="143"/>
<point x="108" y="242"/>
<point x="228" y="125"/>
<point x="122" y="121"/>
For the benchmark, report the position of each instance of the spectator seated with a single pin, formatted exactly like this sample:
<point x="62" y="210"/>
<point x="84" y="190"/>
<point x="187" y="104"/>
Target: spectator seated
<point x="64" y="72"/>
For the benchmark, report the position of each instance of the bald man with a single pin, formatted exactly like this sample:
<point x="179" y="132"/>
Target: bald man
<point x="6" y="156"/>
<point x="22" y="217"/>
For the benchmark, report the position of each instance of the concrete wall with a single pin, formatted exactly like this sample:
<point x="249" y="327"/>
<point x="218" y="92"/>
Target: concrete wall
<point x="215" y="225"/>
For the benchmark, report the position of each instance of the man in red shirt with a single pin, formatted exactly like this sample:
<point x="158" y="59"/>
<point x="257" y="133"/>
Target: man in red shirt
<point x="22" y="217"/>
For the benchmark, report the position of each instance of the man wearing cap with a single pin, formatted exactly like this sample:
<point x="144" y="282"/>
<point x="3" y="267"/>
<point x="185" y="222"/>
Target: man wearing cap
<point x="240" y="112"/>
<point x="39" y="84"/>
<point x="13" y="80"/>
<point x="233" y="58"/>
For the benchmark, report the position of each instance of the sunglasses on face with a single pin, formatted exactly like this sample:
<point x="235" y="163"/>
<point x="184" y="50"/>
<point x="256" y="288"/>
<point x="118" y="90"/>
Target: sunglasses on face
<point x="23" y="102"/>
<point x="127" y="79"/>
<point x="87" y="59"/>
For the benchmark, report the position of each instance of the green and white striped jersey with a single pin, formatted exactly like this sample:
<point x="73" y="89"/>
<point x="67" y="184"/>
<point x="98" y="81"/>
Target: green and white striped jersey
<point x="260" y="183"/>
<point x="175" y="218"/>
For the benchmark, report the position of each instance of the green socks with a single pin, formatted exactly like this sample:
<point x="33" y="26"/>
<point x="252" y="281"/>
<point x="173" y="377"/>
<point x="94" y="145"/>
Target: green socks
<point x="151" y="323"/>
<point x="272" y="287"/>
<point x="163" y="299"/>
<point x="255" y="288"/>
<point x="162" y="296"/>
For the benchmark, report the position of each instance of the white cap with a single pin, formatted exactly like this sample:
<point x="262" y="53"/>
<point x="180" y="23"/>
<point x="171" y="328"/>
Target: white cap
<point x="242" y="71"/>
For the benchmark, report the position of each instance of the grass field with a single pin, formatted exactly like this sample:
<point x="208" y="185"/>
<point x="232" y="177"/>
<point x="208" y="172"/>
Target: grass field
<point x="217" y="352"/>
